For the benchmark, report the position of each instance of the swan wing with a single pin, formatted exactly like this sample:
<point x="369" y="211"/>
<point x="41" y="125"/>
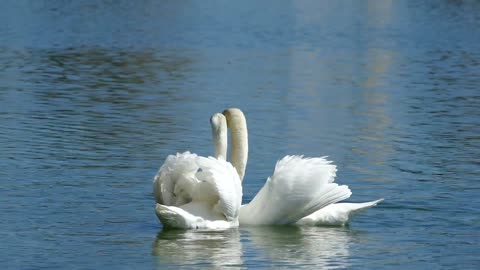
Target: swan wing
<point x="178" y="218"/>
<point x="219" y="180"/>
<point x="336" y="214"/>
<point x="298" y="187"/>
<point x="175" y="181"/>
<point x="192" y="191"/>
<point x="175" y="217"/>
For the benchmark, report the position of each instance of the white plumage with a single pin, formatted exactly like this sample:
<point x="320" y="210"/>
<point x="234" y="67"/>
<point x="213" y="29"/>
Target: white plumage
<point x="300" y="191"/>
<point x="298" y="187"/>
<point x="336" y="214"/>
<point x="197" y="192"/>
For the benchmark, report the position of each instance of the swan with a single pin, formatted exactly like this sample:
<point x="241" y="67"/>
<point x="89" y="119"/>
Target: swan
<point x="195" y="192"/>
<point x="300" y="191"/>
<point x="297" y="188"/>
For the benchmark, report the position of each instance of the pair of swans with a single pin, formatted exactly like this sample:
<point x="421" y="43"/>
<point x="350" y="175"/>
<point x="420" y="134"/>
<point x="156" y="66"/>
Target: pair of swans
<point x="206" y="192"/>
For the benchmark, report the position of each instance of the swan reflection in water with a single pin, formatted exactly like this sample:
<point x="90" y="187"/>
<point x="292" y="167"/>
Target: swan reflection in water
<point x="299" y="247"/>
<point x="213" y="249"/>
<point x="279" y="246"/>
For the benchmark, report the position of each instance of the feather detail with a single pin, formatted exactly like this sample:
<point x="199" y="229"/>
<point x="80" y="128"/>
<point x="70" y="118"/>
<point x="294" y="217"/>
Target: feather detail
<point x="298" y="187"/>
<point x="336" y="214"/>
<point x="197" y="192"/>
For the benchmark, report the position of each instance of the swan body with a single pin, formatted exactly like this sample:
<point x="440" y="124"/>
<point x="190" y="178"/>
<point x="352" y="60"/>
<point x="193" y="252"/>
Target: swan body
<point x="301" y="190"/>
<point x="194" y="192"/>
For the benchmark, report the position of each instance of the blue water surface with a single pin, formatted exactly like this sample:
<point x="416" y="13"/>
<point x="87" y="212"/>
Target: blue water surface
<point x="95" y="94"/>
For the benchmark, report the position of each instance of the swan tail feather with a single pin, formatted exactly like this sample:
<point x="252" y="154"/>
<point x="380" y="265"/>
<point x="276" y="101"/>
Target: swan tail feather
<point x="357" y="208"/>
<point x="336" y="214"/>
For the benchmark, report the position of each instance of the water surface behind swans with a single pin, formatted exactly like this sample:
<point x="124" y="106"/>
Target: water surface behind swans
<point x="95" y="95"/>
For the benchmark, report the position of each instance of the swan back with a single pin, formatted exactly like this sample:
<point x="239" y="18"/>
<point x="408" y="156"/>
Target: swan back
<point x="208" y="189"/>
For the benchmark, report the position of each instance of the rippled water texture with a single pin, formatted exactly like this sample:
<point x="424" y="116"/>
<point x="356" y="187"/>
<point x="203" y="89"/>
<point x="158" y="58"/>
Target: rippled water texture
<point x="95" y="94"/>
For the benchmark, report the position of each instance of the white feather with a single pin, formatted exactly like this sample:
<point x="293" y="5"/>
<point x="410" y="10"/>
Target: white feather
<point x="301" y="190"/>
<point x="298" y="187"/>
<point x="197" y="192"/>
<point x="336" y="214"/>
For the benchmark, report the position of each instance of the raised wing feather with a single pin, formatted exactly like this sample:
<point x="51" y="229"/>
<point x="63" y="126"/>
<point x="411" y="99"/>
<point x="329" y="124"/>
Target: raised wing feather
<point x="223" y="179"/>
<point x="175" y="181"/>
<point x="336" y="214"/>
<point x="208" y="188"/>
<point x="298" y="187"/>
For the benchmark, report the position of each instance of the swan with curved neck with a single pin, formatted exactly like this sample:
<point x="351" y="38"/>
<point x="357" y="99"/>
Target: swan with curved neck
<point x="199" y="192"/>
<point x="300" y="191"/>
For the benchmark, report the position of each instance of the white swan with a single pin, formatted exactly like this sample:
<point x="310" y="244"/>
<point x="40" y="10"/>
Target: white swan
<point x="298" y="187"/>
<point x="300" y="191"/>
<point x="198" y="192"/>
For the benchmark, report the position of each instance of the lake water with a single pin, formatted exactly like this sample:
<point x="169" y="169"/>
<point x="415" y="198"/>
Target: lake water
<point x="95" y="94"/>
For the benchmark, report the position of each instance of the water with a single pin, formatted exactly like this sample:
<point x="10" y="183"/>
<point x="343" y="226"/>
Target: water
<point x="95" y="94"/>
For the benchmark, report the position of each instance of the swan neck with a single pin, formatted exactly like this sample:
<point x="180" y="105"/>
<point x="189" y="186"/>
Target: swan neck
<point x="220" y="145"/>
<point x="219" y="136"/>
<point x="239" y="140"/>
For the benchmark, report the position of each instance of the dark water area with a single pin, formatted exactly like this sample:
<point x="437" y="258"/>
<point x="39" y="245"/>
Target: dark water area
<point x="95" y="94"/>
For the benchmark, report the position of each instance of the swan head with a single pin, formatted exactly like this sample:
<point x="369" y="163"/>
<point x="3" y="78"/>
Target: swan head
<point x="233" y="114"/>
<point x="218" y="123"/>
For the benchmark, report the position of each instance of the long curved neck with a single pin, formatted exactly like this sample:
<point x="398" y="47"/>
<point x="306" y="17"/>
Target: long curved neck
<point x="239" y="137"/>
<point x="219" y="135"/>
<point x="220" y="145"/>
